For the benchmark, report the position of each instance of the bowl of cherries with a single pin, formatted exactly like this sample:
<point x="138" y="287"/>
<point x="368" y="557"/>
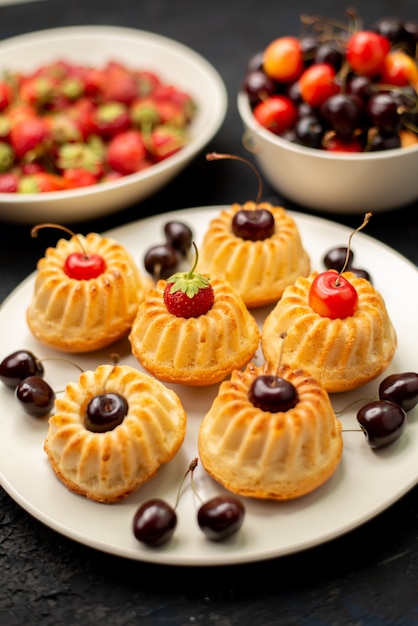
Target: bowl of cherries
<point x="331" y="115"/>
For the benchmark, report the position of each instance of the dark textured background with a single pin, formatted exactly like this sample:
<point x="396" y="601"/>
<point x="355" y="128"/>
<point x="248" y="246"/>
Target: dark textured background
<point x="369" y="576"/>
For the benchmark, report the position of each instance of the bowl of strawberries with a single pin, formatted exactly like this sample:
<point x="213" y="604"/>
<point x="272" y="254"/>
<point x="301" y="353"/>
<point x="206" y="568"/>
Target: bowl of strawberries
<point x="331" y="114"/>
<point x="97" y="118"/>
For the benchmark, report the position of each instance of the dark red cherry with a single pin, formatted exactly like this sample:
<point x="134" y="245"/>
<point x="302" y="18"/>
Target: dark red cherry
<point x="162" y="260"/>
<point x="35" y="396"/>
<point x="154" y="522"/>
<point x="400" y="388"/>
<point x="382" y="422"/>
<point x="272" y="393"/>
<point x="253" y="224"/>
<point x="334" y="259"/>
<point x="105" y="411"/>
<point x="19" y="365"/>
<point x="83" y="266"/>
<point x="221" y="517"/>
<point x="360" y="273"/>
<point x="179" y="236"/>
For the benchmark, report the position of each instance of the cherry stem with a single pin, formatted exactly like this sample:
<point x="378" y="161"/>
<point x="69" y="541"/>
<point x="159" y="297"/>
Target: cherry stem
<point x="353" y="403"/>
<point x="115" y="357"/>
<point x="190" y="470"/>
<point x="196" y="258"/>
<point x="57" y="358"/>
<point x="282" y="336"/>
<point x="347" y="256"/>
<point x="215" y="156"/>
<point x="35" y="229"/>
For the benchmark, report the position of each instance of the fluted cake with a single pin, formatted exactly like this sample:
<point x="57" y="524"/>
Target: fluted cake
<point x="272" y="455"/>
<point x="75" y="315"/>
<point x="258" y="270"/>
<point x="197" y="350"/>
<point x="342" y="353"/>
<point x="108" y="466"/>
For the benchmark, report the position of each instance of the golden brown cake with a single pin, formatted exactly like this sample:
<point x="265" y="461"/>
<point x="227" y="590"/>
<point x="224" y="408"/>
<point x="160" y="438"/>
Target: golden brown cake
<point x="197" y="350"/>
<point x="108" y="466"/>
<point x="82" y="315"/>
<point x="261" y="454"/>
<point x="342" y="353"/>
<point x="258" y="270"/>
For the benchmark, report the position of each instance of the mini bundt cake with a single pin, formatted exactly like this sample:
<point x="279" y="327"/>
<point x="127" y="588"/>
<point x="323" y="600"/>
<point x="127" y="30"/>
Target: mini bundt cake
<point x="258" y="270"/>
<point x="81" y="315"/>
<point x="342" y="353"/>
<point x="199" y="350"/>
<point x="108" y="465"/>
<point x="272" y="455"/>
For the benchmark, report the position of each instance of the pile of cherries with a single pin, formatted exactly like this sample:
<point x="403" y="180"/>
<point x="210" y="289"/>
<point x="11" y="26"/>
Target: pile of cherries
<point x="218" y="518"/>
<point x="339" y="87"/>
<point x="163" y="260"/>
<point x="23" y="372"/>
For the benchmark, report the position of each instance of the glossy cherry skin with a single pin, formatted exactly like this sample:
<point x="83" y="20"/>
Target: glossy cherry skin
<point x="272" y="394"/>
<point x="221" y="517"/>
<point x="335" y="258"/>
<point x="253" y="225"/>
<point x="179" y="236"/>
<point x="18" y="366"/>
<point x="83" y="266"/>
<point x="105" y="411"/>
<point x="162" y="260"/>
<point x="382" y="422"/>
<point x="35" y="396"/>
<point x="333" y="296"/>
<point x="154" y="522"/>
<point x="400" y="388"/>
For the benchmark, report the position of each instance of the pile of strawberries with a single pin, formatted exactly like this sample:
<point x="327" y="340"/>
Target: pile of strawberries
<point x="66" y="126"/>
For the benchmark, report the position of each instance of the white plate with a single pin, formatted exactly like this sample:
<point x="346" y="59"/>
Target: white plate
<point x="366" y="482"/>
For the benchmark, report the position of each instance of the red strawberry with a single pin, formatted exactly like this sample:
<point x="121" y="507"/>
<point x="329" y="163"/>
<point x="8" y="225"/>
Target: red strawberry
<point x="126" y="153"/>
<point x="78" y="177"/>
<point x="165" y="141"/>
<point x="28" y="134"/>
<point x="9" y="183"/>
<point x="120" y="84"/>
<point x="41" y="182"/>
<point x="6" y="95"/>
<point x="188" y="294"/>
<point x="111" y="118"/>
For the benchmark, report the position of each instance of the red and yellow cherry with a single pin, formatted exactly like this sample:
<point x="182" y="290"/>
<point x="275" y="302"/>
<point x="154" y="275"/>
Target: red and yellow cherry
<point x="78" y="265"/>
<point x="283" y="59"/>
<point x="277" y="113"/>
<point x="366" y="52"/>
<point x="332" y="295"/>
<point x="318" y="83"/>
<point x="400" y="69"/>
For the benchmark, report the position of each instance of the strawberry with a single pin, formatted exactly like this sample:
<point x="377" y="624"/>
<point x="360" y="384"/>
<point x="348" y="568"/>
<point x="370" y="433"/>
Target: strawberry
<point x="6" y="94"/>
<point x="120" y="85"/>
<point x="165" y="141"/>
<point x="76" y="177"/>
<point x="40" y="182"/>
<point x="29" y="134"/>
<point x="9" y="182"/>
<point x="111" y="118"/>
<point x="126" y="152"/>
<point x="188" y="294"/>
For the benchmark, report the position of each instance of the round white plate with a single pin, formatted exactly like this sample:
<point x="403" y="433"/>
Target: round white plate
<point x="366" y="482"/>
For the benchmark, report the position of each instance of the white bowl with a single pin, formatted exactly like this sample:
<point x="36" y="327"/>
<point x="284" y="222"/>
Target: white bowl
<point x="330" y="182"/>
<point x="95" y="45"/>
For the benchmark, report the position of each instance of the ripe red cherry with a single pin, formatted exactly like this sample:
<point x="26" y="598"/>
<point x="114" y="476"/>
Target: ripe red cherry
<point x="382" y="422"/>
<point x="283" y="59"/>
<point x="82" y="266"/>
<point x="331" y="295"/>
<point x="366" y="52"/>
<point x="317" y="84"/>
<point x="272" y="394"/>
<point x="277" y="113"/>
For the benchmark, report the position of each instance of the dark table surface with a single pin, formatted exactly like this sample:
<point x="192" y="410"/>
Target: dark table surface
<point x="368" y="576"/>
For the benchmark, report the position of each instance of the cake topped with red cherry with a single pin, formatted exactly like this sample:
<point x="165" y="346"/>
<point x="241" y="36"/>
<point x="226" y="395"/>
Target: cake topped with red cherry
<point x="86" y="293"/>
